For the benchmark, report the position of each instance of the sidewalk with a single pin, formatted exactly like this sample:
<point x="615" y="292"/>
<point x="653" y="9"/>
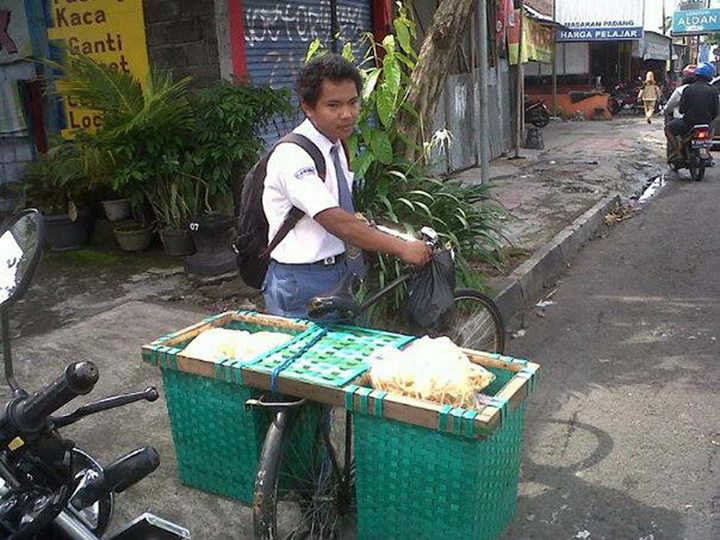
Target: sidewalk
<point x="559" y="196"/>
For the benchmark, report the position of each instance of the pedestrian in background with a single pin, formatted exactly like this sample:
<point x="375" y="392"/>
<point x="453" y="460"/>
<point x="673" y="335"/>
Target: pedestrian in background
<point x="650" y="94"/>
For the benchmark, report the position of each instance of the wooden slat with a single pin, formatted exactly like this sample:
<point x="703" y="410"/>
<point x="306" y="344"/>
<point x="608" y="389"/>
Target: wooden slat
<point x="199" y="328"/>
<point x="487" y="360"/>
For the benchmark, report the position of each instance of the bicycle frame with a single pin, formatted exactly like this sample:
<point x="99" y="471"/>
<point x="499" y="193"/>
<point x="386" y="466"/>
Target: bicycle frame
<point x="378" y="295"/>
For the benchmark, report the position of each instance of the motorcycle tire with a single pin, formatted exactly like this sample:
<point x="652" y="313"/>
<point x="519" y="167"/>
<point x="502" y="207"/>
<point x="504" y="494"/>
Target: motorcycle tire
<point x="697" y="172"/>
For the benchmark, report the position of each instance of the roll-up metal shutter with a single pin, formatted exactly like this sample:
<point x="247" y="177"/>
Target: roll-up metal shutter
<point x="278" y="34"/>
<point x="354" y="20"/>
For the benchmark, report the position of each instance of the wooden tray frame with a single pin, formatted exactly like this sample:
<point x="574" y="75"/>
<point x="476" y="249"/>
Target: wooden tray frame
<point x="395" y="407"/>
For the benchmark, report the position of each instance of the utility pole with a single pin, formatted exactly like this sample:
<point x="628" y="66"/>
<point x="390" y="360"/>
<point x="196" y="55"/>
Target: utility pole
<point x="520" y="103"/>
<point x="482" y="20"/>
<point x="554" y="65"/>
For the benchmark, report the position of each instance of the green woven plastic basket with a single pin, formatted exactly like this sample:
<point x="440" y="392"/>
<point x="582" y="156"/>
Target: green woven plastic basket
<point x="419" y="483"/>
<point x="218" y="442"/>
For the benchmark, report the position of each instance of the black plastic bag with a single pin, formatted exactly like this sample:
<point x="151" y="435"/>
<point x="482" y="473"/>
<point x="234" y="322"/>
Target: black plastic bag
<point x="431" y="292"/>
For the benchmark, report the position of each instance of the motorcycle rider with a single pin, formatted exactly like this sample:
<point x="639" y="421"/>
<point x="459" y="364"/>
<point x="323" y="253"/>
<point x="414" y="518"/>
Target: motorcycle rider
<point x="673" y="104"/>
<point x="698" y="105"/>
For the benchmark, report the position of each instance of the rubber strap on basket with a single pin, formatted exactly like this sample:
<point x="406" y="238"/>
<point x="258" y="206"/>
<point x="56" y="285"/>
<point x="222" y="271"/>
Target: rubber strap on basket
<point x="350" y="390"/>
<point x="500" y="404"/>
<point x="457" y="414"/>
<point x="364" y="392"/>
<point x="469" y="423"/>
<point x="530" y="375"/>
<point x="443" y="417"/>
<point x="379" y="397"/>
<point x="301" y="351"/>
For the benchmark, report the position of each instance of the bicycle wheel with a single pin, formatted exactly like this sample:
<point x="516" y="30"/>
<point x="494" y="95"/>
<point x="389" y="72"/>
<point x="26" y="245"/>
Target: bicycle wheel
<point x="477" y="323"/>
<point x="302" y="490"/>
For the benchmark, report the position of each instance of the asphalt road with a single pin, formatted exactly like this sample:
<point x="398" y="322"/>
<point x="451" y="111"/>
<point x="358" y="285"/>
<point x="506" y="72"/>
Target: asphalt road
<point x="623" y="433"/>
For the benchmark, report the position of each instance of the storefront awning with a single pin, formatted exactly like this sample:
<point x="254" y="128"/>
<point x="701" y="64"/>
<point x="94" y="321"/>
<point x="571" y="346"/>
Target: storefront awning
<point x="652" y="46"/>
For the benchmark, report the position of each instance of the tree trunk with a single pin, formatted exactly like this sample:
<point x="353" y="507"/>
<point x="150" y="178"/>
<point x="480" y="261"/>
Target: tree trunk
<point x="428" y="78"/>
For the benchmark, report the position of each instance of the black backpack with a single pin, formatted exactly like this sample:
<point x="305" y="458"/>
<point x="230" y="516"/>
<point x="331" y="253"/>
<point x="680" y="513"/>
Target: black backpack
<point x="251" y="245"/>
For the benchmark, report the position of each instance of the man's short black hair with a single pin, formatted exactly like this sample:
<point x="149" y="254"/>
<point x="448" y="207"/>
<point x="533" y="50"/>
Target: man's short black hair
<point x="331" y="67"/>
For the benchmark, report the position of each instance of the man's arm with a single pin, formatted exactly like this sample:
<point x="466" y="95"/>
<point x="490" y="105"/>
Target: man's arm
<point x="355" y="232"/>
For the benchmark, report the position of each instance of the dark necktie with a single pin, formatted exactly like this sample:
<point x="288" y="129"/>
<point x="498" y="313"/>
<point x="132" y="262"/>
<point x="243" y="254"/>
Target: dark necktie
<point x="355" y="259"/>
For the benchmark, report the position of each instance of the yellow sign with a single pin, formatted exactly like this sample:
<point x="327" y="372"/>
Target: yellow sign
<point x="111" y="32"/>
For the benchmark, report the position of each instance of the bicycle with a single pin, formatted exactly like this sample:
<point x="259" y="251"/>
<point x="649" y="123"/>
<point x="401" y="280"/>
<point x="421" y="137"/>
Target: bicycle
<point x="312" y="485"/>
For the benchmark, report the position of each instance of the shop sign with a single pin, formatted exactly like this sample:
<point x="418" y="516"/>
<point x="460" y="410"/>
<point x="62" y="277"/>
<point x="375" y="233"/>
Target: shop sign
<point x="610" y="20"/>
<point x="700" y="21"/>
<point x="109" y="31"/>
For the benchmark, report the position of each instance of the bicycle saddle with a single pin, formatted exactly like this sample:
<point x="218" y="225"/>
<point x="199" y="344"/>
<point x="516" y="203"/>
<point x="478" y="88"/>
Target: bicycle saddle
<point x="338" y="305"/>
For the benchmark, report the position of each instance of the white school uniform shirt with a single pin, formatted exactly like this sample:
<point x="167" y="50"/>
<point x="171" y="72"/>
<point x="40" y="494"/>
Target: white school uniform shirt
<point x="292" y="180"/>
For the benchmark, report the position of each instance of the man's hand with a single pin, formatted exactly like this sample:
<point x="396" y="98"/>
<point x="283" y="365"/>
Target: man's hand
<point x="416" y="253"/>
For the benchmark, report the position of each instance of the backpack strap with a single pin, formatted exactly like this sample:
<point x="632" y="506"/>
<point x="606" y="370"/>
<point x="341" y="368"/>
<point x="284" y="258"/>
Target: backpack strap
<point x="295" y="213"/>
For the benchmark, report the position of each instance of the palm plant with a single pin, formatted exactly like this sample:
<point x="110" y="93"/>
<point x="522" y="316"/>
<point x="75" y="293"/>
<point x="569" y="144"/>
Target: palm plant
<point x="139" y="147"/>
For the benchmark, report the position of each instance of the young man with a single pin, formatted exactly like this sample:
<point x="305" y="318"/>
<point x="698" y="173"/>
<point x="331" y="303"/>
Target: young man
<point x="312" y="259"/>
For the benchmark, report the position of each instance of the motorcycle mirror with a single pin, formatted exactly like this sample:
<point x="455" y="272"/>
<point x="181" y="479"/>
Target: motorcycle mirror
<point x="21" y="241"/>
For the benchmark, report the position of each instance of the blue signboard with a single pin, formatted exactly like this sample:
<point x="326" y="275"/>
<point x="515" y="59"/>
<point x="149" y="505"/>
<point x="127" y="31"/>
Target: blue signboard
<point x="698" y="21"/>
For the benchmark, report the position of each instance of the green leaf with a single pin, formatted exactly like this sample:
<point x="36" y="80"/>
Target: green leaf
<point x="313" y="49"/>
<point x="423" y="194"/>
<point x="362" y="163"/>
<point x="407" y="203"/>
<point x="348" y="53"/>
<point x="425" y="208"/>
<point x="370" y="83"/>
<point x="385" y="105"/>
<point x="388" y="44"/>
<point x="403" y="35"/>
<point x="392" y="74"/>
<point x="381" y="147"/>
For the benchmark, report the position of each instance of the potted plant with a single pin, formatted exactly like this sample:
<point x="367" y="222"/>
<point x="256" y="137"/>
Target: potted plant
<point x="55" y="186"/>
<point x="175" y="202"/>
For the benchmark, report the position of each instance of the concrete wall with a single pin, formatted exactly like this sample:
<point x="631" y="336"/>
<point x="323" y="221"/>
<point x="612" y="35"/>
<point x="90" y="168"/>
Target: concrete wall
<point x="181" y="36"/>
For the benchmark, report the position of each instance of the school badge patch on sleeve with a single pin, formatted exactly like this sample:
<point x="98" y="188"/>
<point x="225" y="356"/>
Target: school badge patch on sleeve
<point x="305" y="171"/>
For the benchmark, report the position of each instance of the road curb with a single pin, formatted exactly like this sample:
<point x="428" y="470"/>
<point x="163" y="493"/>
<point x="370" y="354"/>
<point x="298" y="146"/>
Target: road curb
<point x="527" y="282"/>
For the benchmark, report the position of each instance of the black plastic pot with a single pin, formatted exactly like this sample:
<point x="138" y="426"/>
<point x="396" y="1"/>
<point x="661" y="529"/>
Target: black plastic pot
<point x="63" y="234"/>
<point x="213" y="235"/>
<point x="177" y="242"/>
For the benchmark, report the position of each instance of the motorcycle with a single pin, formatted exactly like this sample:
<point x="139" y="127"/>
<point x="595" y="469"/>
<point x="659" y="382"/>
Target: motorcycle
<point x="537" y="113"/>
<point x="695" y="152"/>
<point x="50" y="489"/>
<point x="625" y="97"/>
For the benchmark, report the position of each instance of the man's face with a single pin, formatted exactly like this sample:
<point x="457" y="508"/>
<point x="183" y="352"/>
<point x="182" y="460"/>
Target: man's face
<point x="336" y="111"/>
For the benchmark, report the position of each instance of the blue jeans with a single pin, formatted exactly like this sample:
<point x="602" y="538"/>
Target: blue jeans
<point x="289" y="287"/>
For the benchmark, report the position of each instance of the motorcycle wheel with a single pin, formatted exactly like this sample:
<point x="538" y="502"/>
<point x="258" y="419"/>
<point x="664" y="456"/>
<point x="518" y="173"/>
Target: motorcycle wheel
<point x="697" y="172"/>
<point x="98" y="516"/>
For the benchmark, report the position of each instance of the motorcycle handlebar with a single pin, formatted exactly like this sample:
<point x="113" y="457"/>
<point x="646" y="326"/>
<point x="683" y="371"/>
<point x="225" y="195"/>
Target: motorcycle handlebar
<point x="29" y="415"/>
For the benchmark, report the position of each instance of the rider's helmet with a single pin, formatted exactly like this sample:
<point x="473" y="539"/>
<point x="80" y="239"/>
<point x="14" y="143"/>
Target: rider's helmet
<point x="688" y="74"/>
<point x="705" y="71"/>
